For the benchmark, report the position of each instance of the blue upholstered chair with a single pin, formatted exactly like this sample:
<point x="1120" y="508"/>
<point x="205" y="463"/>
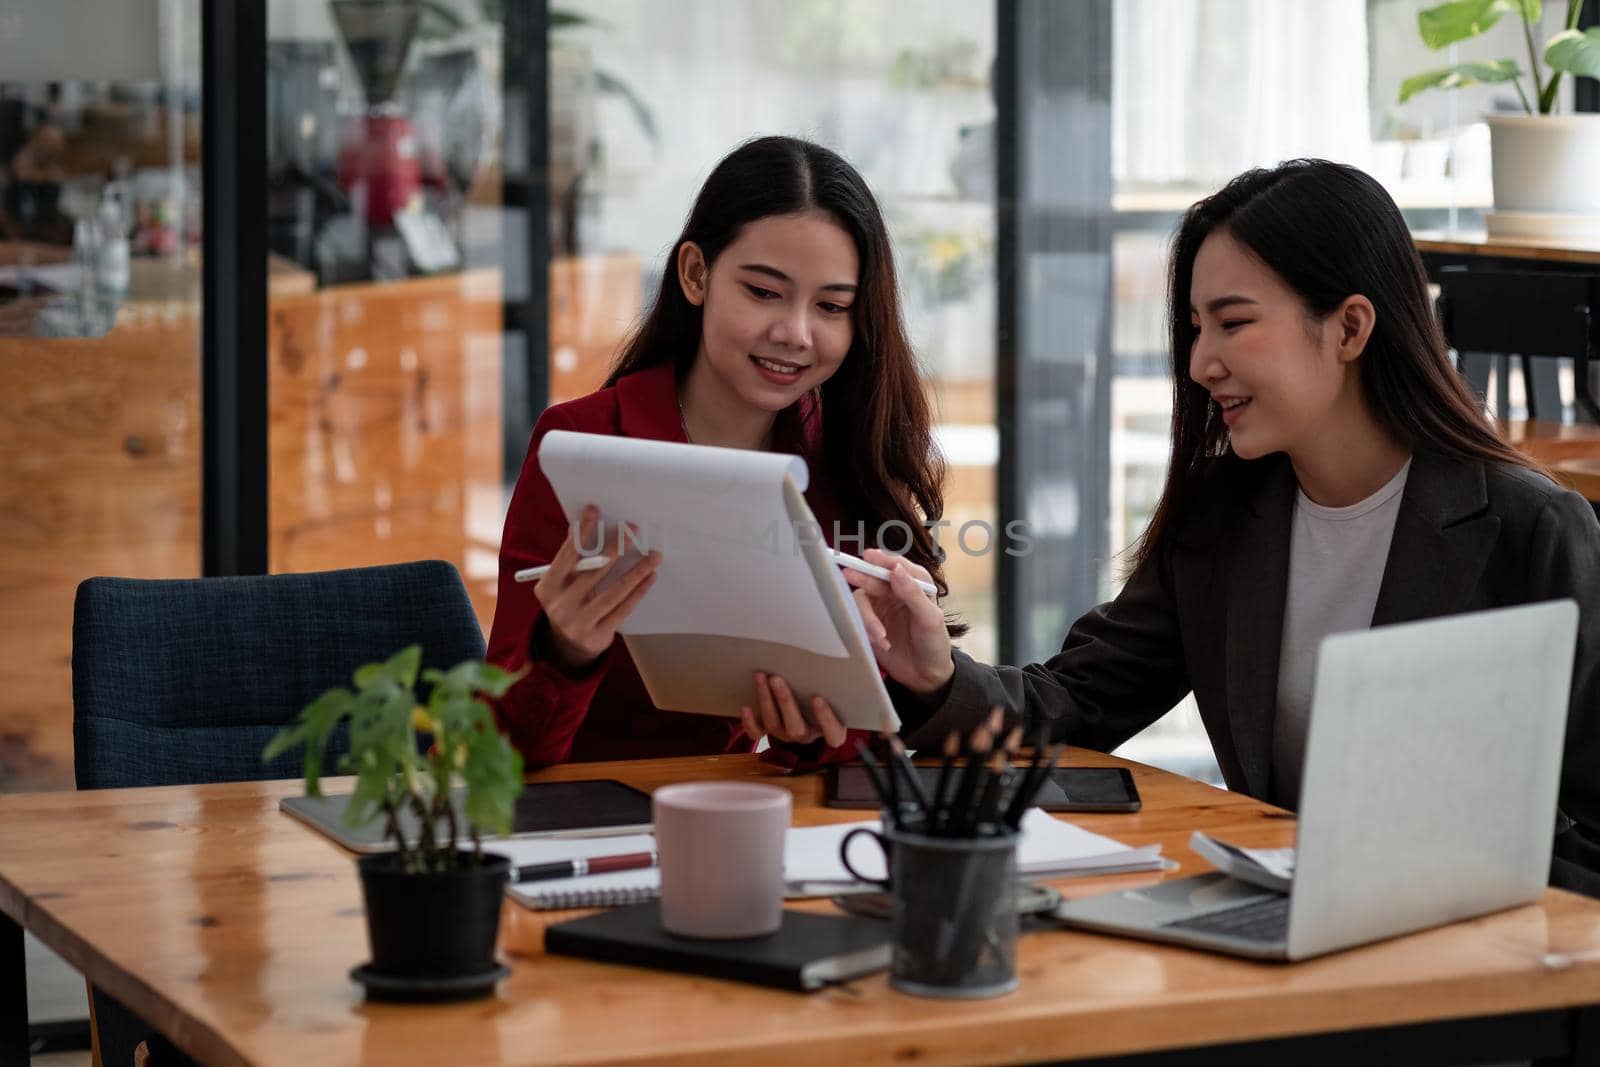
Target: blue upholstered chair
<point x="183" y="681"/>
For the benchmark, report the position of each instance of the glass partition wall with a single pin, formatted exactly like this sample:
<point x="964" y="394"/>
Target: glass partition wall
<point x="100" y="266"/>
<point x="388" y="249"/>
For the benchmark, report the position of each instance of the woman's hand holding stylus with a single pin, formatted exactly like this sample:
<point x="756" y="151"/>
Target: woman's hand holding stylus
<point x="584" y="618"/>
<point x="906" y="627"/>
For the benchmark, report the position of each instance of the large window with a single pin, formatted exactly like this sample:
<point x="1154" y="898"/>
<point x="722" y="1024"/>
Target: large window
<point x="1204" y="89"/>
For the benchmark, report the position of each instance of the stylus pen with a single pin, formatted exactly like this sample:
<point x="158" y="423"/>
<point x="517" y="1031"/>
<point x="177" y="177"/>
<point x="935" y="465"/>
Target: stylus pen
<point x="843" y="559"/>
<point x="585" y="563"/>
<point x="579" y="868"/>
<point x="851" y="563"/>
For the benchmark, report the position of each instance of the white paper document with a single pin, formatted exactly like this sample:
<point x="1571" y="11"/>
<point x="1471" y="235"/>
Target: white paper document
<point x="731" y="565"/>
<point x="1050" y="848"/>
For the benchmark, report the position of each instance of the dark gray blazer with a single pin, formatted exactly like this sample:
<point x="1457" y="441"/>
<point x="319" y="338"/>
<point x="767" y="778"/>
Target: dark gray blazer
<point x="1206" y="613"/>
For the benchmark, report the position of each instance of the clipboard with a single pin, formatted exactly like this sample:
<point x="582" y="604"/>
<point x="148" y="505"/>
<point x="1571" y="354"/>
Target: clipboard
<point x="713" y="675"/>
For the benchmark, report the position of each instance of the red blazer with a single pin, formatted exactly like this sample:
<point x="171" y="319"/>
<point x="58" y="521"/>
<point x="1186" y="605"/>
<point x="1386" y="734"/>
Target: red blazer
<point x="606" y="713"/>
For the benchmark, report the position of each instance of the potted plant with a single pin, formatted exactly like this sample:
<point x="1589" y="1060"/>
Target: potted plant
<point x="1544" y="164"/>
<point x="433" y="903"/>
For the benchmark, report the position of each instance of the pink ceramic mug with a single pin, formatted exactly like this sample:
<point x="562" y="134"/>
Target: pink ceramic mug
<point x="721" y="856"/>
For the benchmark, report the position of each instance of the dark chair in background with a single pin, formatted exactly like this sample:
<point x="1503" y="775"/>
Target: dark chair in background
<point x="183" y="681"/>
<point x="1499" y="312"/>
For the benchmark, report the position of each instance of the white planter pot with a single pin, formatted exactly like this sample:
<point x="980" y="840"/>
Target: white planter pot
<point x="1545" y="164"/>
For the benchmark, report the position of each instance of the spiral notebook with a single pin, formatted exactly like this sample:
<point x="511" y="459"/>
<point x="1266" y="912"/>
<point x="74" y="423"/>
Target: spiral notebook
<point x="590" y="891"/>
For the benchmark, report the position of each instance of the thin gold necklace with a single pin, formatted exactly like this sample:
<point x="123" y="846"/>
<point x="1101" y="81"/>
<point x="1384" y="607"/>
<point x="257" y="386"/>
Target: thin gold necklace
<point x="683" y="421"/>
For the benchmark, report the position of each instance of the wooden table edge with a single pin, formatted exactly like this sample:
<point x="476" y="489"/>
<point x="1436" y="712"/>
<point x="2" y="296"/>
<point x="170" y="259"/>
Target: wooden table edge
<point x="951" y="1039"/>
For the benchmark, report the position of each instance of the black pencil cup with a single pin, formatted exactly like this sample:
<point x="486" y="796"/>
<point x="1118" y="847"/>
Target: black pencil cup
<point x="954" y="927"/>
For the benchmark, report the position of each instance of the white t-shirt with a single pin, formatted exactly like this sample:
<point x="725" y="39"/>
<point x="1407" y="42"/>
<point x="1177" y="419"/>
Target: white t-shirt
<point x="1336" y="561"/>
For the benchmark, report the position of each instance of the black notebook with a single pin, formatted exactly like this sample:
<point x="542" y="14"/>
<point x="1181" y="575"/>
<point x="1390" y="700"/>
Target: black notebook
<point x="806" y="953"/>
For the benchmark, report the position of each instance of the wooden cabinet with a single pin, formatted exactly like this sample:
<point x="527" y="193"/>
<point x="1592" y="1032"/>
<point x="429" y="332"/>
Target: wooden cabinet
<point x="384" y="438"/>
<point x="594" y="302"/>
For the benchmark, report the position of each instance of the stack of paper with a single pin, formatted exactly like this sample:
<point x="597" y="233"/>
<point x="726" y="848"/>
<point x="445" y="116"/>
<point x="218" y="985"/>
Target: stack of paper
<point x="1050" y="848"/>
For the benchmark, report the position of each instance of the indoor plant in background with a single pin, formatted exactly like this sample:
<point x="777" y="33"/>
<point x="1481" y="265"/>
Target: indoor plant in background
<point x="1546" y="166"/>
<point x="433" y="903"/>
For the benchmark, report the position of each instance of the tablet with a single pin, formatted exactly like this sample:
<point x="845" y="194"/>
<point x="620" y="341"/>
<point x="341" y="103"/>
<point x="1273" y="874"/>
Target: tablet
<point x="589" y="808"/>
<point x="1067" y="789"/>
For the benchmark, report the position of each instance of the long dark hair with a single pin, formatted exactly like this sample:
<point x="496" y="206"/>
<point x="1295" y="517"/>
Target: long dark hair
<point x="1330" y="232"/>
<point x="878" y="451"/>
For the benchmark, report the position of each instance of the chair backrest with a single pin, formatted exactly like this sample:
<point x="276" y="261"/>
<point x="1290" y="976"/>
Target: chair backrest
<point x="1531" y="314"/>
<point x="184" y="681"/>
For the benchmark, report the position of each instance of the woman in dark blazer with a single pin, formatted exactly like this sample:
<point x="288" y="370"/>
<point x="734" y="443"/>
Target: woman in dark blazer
<point x="1329" y="471"/>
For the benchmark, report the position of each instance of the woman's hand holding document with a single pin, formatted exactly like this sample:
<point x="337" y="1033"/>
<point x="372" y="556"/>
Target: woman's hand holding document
<point x="778" y="713"/>
<point x="744" y="592"/>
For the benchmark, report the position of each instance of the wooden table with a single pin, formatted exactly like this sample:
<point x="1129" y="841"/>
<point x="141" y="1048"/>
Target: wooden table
<point x="1582" y="475"/>
<point x="231" y="928"/>
<point x="1479" y="244"/>
<point x="1550" y="442"/>
<point x="1571" y="451"/>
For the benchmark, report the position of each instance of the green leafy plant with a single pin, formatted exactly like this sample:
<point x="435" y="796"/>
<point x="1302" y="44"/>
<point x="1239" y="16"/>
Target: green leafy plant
<point x="394" y="774"/>
<point x="1572" y="51"/>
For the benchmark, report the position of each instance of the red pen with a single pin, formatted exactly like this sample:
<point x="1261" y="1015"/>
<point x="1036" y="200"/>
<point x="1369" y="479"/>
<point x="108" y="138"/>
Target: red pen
<point x="578" y="868"/>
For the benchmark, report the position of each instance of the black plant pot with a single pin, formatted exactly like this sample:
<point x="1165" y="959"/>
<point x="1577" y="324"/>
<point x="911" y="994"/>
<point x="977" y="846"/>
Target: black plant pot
<point x="432" y="935"/>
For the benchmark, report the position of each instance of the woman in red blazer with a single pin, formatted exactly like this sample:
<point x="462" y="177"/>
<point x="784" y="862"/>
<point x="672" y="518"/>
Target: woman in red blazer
<point x="777" y="327"/>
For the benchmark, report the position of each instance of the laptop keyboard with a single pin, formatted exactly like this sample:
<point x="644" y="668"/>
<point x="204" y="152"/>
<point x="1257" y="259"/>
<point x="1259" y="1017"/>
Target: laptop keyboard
<point x="1260" y="920"/>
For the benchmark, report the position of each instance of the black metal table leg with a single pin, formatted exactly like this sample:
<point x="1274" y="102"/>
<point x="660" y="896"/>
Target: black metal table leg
<point x="13" y="995"/>
<point x="1585" y="1033"/>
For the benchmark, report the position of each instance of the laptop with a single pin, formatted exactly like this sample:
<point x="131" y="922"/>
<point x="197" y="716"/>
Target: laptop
<point x="1429" y="793"/>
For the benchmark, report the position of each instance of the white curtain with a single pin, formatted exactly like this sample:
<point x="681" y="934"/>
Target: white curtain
<point x="1203" y="89"/>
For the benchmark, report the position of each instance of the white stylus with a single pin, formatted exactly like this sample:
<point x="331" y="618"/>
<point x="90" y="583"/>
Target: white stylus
<point x="585" y="563"/>
<point x="843" y="559"/>
<point x="851" y="563"/>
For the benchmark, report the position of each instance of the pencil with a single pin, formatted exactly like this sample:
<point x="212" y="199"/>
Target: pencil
<point x="1031" y="783"/>
<point x="1025" y="796"/>
<point x="988" y="805"/>
<point x="967" y="786"/>
<point x="879" y="785"/>
<point x="1006" y="781"/>
<point x="952" y="748"/>
<point x="897" y="748"/>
